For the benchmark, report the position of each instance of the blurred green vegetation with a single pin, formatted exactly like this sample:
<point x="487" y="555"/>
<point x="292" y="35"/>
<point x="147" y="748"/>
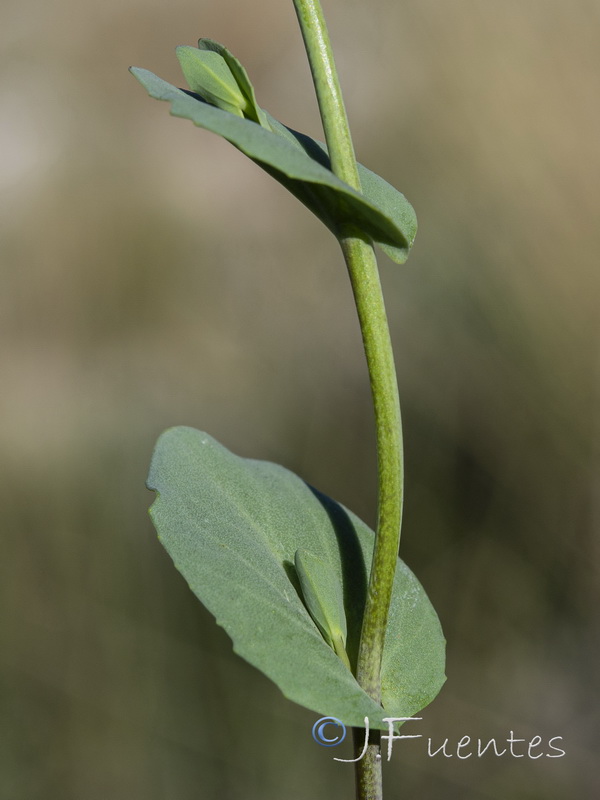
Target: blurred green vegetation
<point x="152" y="277"/>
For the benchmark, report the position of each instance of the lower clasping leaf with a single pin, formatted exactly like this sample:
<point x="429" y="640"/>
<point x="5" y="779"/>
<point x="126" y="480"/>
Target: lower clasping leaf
<point x="284" y="570"/>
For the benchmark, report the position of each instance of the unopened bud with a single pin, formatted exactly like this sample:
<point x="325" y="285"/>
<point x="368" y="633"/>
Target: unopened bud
<point x="208" y="75"/>
<point x="322" y="594"/>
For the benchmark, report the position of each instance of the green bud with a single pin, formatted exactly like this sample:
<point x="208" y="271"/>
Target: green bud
<point x="218" y="77"/>
<point x="208" y="75"/>
<point x="322" y="593"/>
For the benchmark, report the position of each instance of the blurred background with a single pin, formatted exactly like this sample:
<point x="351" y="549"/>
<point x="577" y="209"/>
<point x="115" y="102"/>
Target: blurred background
<point x="153" y="276"/>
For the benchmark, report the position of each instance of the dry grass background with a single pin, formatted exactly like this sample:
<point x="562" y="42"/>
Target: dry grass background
<point x="151" y="276"/>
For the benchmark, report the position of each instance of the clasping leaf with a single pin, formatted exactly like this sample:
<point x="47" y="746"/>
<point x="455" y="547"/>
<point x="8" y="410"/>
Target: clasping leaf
<point x="222" y="100"/>
<point x="241" y="531"/>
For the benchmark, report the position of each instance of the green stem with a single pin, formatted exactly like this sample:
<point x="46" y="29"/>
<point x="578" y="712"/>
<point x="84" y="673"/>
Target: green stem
<point x="364" y="277"/>
<point x="366" y="286"/>
<point x="329" y="93"/>
<point x="368" y="769"/>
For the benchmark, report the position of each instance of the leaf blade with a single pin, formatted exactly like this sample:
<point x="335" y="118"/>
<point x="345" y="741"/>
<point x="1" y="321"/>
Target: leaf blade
<point x="232" y="527"/>
<point x="380" y="210"/>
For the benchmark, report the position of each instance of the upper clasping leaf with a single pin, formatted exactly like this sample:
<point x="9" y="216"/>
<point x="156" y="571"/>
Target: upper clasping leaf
<point x="222" y="99"/>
